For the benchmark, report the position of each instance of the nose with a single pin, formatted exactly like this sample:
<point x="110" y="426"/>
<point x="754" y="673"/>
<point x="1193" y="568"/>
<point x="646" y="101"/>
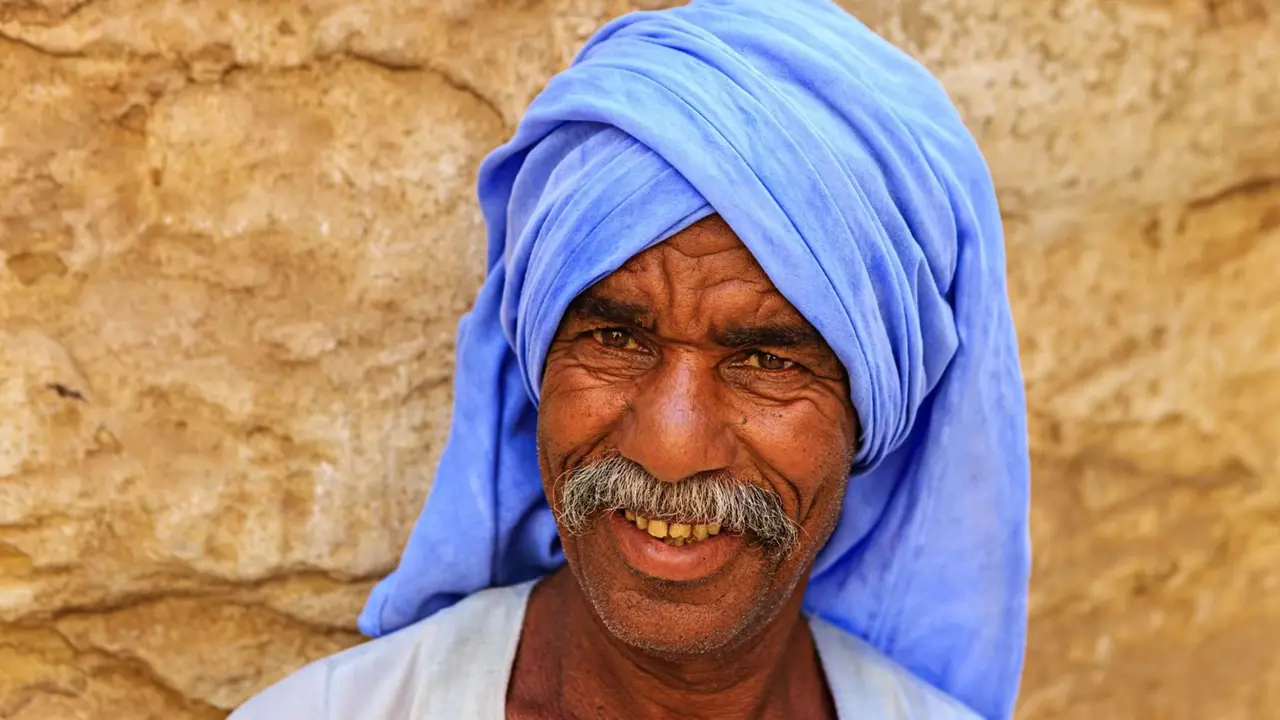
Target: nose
<point x="676" y="425"/>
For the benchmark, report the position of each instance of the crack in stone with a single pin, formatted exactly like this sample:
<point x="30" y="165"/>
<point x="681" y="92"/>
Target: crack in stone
<point x="127" y="661"/>
<point x="449" y="78"/>
<point x="126" y="656"/>
<point x="1251" y="187"/>
<point x="218" y="588"/>
<point x="10" y="13"/>
<point x="28" y="693"/>
<point x="133" y="665"/>
<point x="37" y="47"/>
<point x="179" y="63"/>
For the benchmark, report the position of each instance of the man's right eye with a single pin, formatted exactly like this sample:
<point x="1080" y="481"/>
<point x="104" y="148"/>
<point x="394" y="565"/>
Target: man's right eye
<point x="616" y="338"/>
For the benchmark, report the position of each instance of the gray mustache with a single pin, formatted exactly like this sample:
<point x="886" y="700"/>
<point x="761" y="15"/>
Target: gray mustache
<point x="616" y="483"/>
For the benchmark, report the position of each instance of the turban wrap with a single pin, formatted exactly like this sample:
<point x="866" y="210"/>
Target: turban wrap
<point x="847" y="172"/>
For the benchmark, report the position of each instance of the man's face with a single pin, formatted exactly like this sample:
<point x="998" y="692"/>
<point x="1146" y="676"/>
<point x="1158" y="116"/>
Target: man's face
<point x="686" y="370"/>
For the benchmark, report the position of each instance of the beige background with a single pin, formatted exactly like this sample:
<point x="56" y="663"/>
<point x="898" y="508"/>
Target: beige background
<point x="235" y="237"/>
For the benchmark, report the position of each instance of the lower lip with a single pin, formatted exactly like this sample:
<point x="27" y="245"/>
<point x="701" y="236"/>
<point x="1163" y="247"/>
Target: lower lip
<point x="655" y="558"/>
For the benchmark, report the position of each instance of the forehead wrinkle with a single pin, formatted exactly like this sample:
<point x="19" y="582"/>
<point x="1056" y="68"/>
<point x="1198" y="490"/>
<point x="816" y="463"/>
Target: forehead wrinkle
<point x="704" y="307"/>
<point x="730" y="311"/>
<point x="700" y="295"/>
<point x="761" y="292"/>
<point x="670" y="276"/>
<point x="705" y="274"/>
<point x="766" y="306"/>
<point x="626" y="284"/>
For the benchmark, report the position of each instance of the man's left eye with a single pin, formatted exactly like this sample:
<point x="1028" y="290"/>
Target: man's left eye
<point x="616" y="338"/>
<point x="768" y="361"/>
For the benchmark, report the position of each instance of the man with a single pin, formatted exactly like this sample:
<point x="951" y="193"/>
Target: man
<point x="739" y="428"/>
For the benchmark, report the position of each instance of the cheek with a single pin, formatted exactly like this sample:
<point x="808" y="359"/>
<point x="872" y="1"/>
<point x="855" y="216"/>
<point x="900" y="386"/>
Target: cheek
<point x="808" y="444"/>
<point x="575" y="414"/>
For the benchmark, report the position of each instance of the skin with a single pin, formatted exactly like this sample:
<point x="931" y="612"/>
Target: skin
<point x="686" y="360"/>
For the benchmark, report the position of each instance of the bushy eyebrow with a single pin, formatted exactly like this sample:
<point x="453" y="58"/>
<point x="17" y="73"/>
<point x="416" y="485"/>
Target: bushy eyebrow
<point x="796" y="334"/>
<point x="603" y="309"/>
<point x="791" y="335"/>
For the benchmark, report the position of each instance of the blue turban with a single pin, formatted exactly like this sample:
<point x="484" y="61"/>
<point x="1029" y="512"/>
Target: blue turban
<point x="845" y="169"/>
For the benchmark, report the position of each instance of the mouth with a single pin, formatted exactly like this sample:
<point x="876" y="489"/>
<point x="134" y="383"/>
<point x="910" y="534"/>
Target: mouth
<point x="670" y="550"/>
<point x="673" y="533"/>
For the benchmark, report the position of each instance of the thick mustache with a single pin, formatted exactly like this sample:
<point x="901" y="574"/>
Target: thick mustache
<point x="616" y="483"/>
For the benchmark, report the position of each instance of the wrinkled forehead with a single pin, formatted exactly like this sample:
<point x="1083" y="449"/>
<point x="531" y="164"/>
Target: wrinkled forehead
<point x="701" y="279"/>
<point x="707" y="253"/>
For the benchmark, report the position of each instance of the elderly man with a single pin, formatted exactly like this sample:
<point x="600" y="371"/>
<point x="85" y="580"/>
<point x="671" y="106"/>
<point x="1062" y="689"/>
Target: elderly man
<point x="739" y="429"/>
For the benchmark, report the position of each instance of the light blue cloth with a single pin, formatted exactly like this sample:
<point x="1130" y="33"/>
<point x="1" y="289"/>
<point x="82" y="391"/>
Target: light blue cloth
<point x="846" y="170"/>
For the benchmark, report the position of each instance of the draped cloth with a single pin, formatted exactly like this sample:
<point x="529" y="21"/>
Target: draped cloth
<point x="847" y="172"/>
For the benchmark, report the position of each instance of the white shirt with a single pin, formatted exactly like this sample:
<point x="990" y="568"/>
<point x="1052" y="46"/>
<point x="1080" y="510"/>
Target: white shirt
<point x="456" y="665"/>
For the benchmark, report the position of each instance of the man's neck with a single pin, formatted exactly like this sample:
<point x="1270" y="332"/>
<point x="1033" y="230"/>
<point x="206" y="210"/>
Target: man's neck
<point x="569" y="665"/>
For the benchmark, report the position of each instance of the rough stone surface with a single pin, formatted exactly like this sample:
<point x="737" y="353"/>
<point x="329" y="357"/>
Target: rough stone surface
<point x="235" y="238"/>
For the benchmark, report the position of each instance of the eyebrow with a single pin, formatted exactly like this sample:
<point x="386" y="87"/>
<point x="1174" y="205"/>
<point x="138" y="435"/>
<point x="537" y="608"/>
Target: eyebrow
<point x="595" y="307"/>
<point x="785" y="335"/>
<point x="780" y="336"/>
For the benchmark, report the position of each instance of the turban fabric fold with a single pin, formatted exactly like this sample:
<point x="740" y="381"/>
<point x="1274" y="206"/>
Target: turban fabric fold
<point x="845" y="169"/>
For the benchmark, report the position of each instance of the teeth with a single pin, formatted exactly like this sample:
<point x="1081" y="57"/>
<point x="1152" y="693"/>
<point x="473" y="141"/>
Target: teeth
<point x="674" y="533"/>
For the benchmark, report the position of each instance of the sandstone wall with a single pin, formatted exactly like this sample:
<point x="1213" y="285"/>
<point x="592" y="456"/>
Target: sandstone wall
<point x="235" y="237"/>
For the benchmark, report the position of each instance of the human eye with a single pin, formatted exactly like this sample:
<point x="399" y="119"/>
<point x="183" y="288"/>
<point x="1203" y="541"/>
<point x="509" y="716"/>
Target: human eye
<point x="616" y="338"/>
<point x="760" y="360"/>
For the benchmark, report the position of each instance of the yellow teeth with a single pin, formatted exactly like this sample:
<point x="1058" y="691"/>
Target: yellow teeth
<point x="677" y="534"/>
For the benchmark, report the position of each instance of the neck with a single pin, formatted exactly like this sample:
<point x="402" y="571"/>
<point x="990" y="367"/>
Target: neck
<point x="569" y="664"/>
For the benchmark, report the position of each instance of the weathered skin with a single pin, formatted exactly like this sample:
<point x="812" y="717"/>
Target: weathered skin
<point x="687" y="361"/>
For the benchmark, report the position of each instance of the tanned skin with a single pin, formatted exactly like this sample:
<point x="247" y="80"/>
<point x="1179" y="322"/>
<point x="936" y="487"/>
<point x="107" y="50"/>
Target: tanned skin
<point x="687" y="360"/>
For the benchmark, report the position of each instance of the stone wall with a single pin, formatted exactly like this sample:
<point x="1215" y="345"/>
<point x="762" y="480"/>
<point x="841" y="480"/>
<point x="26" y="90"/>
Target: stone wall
<point x="235" y="237"/>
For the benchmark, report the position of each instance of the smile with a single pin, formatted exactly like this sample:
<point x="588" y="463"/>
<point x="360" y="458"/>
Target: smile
<point x="646" y="545"/>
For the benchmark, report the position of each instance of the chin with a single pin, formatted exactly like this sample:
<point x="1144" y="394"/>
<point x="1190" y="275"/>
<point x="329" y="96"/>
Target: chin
<point x="664" y="628"/>
<point x="666" y="618"/>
